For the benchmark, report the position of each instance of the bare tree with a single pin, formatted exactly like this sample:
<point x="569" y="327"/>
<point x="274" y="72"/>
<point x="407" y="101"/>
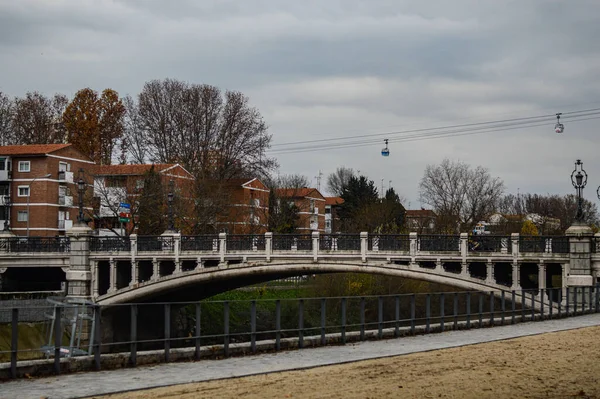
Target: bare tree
<point x="212" y="135"/>
<point x="337" y="180"/>
<point x="7" y="136"/>
<point x="461" y="196"/>
<point x="37" y="119"/>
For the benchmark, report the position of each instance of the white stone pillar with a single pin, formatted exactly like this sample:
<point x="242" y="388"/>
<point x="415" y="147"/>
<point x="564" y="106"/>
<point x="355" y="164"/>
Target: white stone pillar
<point x="268" y="245"/>
<point x="315" y="245"/>
<point x="199" y="265"/>
<point x="134" y="272"/>
<point x="133" y="242"/>
<point x="489" y="275"/>
<point x="464" y="240"/>
<point x="413" y="244"/>
<point x="177" y="244"/>
<point x="516" y="280"/>
<point x="155" y="269"/>
<point x="222" y="246"/>
<point x="514" y="238"/>
<point x="177" y="266"/>
<point x="113" y="275"/>
<point x="438" y="266"/>
<point x="541" y="275"/>
<point x="95" y="279"/>
<point x="364" y="245"/>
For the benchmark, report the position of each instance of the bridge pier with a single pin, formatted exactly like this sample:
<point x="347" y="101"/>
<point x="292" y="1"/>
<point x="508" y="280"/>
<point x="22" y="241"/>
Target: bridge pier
<point x="79" y="273"/>
<point x="579" y="272"/>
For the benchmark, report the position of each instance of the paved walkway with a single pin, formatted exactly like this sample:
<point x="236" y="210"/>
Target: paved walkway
<point x="103" y="382"/>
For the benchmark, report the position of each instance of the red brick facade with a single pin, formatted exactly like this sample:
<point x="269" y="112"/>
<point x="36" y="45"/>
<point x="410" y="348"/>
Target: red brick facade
<point x="50" y="173"/>
<point x="247" y="209"/>
<point x="311" y="205"/>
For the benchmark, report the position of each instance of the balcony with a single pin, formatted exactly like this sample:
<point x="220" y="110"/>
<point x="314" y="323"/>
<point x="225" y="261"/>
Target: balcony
<point x="2" y="200"/>
<point x="65" y="200"/>
<point x="65" y="177"/>
<point x="65" y="224"/>
<point x="5" y="175"/>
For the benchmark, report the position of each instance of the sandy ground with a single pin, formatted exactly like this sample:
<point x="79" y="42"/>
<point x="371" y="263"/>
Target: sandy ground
<point x="555" y="365"/>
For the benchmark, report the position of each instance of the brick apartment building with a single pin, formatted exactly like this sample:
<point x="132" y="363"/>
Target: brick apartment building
<point x="420" y="220"/>
<point x="38" y="188"/>
<point x="311" y="205"/>
<point x="116" y="184"/>
<point x="247" y="207"/>
<point x="332" y="220"/>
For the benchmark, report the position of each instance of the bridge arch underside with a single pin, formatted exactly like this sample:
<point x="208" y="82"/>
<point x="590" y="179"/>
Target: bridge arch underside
<point x="197" y="284"/>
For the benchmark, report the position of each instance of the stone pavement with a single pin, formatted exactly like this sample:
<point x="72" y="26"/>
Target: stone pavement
<point x="104" y="382"/>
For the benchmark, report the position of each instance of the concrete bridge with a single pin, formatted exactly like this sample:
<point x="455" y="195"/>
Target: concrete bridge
<point x="112" y="270"/>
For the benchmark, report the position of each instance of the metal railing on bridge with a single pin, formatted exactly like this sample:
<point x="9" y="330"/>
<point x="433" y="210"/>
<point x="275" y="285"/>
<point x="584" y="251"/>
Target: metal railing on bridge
<point x="35" y="244"/>
<point x="110" y="244"/>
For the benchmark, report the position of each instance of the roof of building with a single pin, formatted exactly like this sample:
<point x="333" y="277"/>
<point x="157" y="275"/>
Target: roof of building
<point x="298" y="192"/>
<point x="31" y="149"/>
<point x="420" y="213"/>
<point x="334" y="200"/>
<point x="131" y="170"/>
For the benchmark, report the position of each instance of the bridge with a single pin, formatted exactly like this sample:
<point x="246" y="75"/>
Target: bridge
<point x="112" y="270"/>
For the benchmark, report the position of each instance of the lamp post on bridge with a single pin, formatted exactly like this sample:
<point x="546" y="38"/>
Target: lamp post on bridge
<point x="81" y="186"/>
<point x="7" y="220"/>
<point x="579" y="180"/>
<point x="171" y="222"/>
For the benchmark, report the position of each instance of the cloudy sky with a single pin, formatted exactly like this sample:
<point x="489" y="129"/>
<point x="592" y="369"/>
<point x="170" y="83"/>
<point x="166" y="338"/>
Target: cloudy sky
<point x="328" y="69"/>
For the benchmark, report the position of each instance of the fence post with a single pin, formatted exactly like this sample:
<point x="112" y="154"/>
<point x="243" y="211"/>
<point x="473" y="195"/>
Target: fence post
<point x="491" y="308"/>
<point x="343" y="320"/>
<point x="97" y="337"/>
<point x="253" y="326"/>
<point x="268" y="245"/>
<point x="198" y="330"/>
<point x="277" y="325"/>
<point x="315" y="245"/>
<point x="57" y="338"/>
<point x="480" y="309"/>
<point x="455" y="311"/>
<point x="133" y="312"/>
<point x="427" y="312"/>
<point x="362" y="318"/>
<point x="522" y="305"/>
<point x="503" y="305"/>
<point x="323" y="321"/>
<point x="301" y="323"/>
<point x="532" y="305"/>
<point x="14" y="341"/>
<point x="412" y="314"/>
<point x="222" y="246"/>
<point x="464" y="240"/>
<point x="226" y="328"/>
<point x="167" y="331"/>
<point x="397" y="324"/>
<point x="442" y="304"/>
<point x="567" y="301"/>
<point x="468" y="310"/>
<point x="597" y="303"/>
<point x="513" y="306"/>
<point x="364" y="245"/>
<point x="380" y="317"/>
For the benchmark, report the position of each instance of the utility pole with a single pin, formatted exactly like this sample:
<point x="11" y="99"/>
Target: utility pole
<point x="382" y="194"/>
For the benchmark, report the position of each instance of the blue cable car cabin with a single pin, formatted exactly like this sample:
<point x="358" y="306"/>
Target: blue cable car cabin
<point x="385" y="152"/>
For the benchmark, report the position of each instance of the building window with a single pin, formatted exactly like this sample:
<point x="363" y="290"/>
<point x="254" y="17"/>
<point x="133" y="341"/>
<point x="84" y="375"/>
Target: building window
<point x="2" y="163"/>
<point x="24" y="166"/>
<point x="328" y="224"/>
<point x="23" y="191"/>
<point x="139" y="184"/>
<point x="22" y="216"/>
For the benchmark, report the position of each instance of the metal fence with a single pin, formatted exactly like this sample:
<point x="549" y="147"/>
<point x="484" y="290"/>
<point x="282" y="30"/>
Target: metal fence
<point x="244" y="242"/>
<point x="438" y="243"/>
<point x="216" y="325"/>
<point x="35" y="244"/>
<point x="289" y="242"/>
<point x="502" y="244"/>
<point x="339" y="242"/>
<point x="552" y="244"/>
<point x="155" y="244"/>
<point x="392" y="242"/>
<point x="200" y="243"/>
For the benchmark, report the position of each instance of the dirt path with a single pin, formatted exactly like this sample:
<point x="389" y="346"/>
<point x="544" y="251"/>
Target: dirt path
<point x="554" y="365"/>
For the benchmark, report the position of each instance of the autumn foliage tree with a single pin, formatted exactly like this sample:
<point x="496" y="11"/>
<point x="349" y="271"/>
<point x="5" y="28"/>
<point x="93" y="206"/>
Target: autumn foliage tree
<point x="95" y="124"/>
<point x="36" y="119"/>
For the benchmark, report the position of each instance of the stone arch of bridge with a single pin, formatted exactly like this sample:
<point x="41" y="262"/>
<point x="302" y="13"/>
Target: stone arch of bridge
<point x="214" y="276"/>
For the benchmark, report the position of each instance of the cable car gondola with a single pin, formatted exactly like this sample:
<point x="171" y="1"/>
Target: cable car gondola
<point x="559" y="127"/>
<point x="385" y="152"/>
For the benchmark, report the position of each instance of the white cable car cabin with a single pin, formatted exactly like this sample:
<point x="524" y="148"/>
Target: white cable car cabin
<point x="559" y="127"/>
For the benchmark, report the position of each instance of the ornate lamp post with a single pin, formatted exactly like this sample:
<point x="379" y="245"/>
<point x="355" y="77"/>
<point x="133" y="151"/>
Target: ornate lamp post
<point x="7" y="206"/>
<point x="81" y="186"/>
<point x="579" y="180"/>
<point x="171" y="225"/>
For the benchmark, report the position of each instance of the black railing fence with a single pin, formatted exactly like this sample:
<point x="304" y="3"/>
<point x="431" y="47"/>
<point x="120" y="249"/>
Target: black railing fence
<point x="288" y="242"/>
<point x="215" y="325"/>
<point x="245" y="242"/>
<point x="438" y="243"/>
<point x="110" y="244"/>
<point x="155" y="243"/>
<point x="209" y="242"/>
<point x="389" y="242"/>
<point x="490" y="243"/>
<point x="35" y="244"/>
<point x="537" y="244"/>
<point x="339" y="242"/>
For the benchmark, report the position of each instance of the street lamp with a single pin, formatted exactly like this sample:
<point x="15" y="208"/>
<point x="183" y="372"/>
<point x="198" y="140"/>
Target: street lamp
<point x="579" y="180"/>
<point x="29" y="196"/>
<point x="81" y="186"/>
<point x="171" y="226"/>
<point x="7" y="206"/>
